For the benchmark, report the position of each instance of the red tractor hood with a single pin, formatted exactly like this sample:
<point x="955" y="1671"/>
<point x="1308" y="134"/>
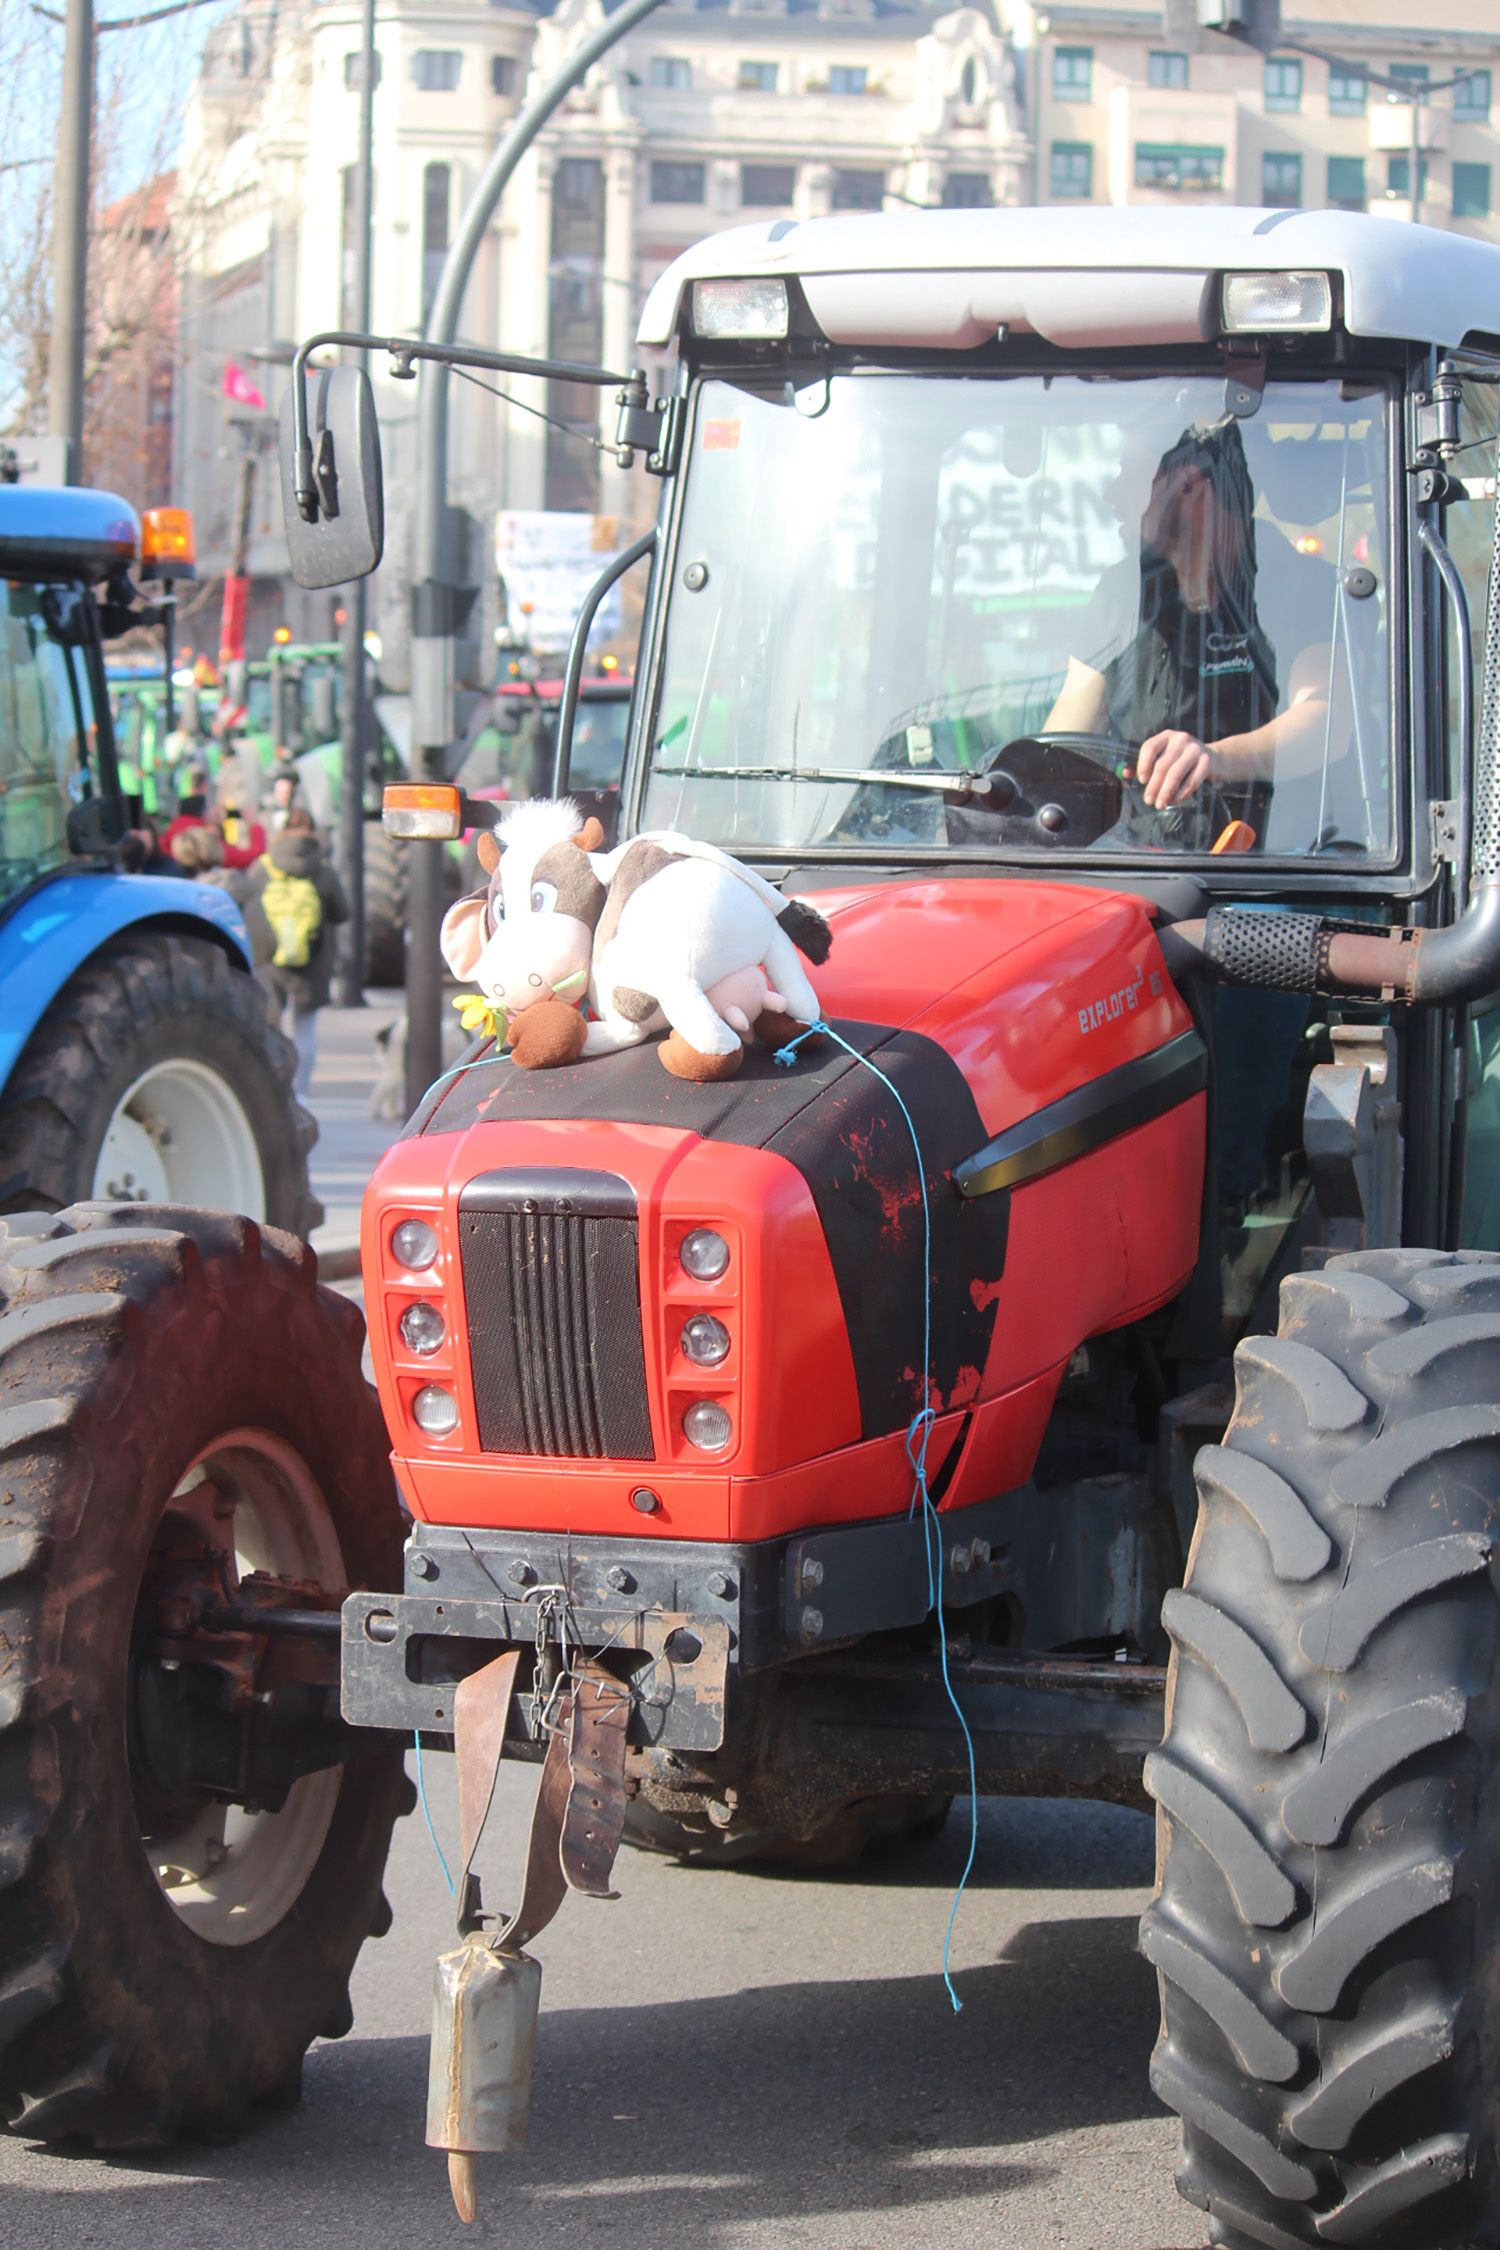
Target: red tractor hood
<point x="1032" y="988"/>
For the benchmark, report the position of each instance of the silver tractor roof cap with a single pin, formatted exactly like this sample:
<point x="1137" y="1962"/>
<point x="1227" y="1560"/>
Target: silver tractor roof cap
<point x="1089" y="278"/>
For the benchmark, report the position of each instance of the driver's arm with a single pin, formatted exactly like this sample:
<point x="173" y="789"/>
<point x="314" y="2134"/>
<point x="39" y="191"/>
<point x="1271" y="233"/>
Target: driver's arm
<point x="1173" y="765"/>
<point x="1082" y="705"/>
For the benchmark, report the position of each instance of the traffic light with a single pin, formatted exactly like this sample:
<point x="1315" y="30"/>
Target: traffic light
<point x="1192" y="25"/>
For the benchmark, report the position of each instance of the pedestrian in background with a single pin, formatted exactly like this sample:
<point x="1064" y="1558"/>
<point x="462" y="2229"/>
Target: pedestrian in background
<point x="303" y="903"/>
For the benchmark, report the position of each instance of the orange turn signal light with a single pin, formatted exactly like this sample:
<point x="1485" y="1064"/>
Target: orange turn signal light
<point x="169" y="548"/>
<point x="430" y="810"/>
<point x="282" y="635"/>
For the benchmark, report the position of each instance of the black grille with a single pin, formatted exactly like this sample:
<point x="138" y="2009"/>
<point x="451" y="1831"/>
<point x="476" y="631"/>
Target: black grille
<point x="553" y="1303"/>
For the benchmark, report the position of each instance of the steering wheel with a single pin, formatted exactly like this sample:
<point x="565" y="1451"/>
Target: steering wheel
<point x="1067" y="791"/>
<point x="1058" y="791"/>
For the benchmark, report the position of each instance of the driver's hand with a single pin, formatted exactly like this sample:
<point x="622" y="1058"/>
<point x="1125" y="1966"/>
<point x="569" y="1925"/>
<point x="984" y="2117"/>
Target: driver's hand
<point x="1171" y="767"/>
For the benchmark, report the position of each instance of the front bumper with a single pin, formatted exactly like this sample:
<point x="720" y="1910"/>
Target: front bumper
<point x="690" y="1622"/>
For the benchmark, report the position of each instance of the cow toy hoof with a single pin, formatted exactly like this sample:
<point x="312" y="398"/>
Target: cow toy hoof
<point x="774" y="1029"/>
<point x="547" y="1035"/>
<point x="684" y="1061"/>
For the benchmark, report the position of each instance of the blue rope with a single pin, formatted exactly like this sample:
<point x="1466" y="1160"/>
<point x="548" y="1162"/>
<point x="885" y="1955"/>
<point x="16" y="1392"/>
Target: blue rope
<point x="427" y="1816"/>
<point x="918" y="1439"/>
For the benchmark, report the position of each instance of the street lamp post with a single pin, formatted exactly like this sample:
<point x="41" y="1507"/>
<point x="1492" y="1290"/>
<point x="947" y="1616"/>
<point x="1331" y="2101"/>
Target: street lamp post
<point x="435" y="596"/>
<point x="354" y="727"/>
<point x="70" y="239"/>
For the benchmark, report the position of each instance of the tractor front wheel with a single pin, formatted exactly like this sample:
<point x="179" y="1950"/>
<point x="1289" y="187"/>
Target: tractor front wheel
<point x="1327" y="1916"/>
<point x="191" y="1841"/>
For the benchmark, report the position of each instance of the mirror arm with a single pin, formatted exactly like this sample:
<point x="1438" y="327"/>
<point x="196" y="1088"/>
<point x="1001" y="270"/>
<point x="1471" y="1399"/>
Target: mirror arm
<point x="562" y="756"/>
<point x="404" y="352"/>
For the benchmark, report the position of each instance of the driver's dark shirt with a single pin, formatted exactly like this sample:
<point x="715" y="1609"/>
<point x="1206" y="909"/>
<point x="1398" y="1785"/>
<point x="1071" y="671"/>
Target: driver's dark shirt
<point x="1211" y="672"/>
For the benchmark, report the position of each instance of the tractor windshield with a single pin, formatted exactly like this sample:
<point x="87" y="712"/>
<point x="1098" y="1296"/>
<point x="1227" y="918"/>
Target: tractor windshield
<point x="46" y="729"/>
<point x="1030" y="613"/>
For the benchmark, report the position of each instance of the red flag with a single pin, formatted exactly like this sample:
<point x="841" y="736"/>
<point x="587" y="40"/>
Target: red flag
<point x="239" y="388"/>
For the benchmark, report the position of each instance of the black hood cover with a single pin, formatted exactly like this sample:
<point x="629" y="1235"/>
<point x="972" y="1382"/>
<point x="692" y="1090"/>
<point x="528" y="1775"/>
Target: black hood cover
<point x="838" y="1126"/>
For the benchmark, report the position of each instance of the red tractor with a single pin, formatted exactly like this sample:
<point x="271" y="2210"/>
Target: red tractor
<point x="1098" y="1337"/>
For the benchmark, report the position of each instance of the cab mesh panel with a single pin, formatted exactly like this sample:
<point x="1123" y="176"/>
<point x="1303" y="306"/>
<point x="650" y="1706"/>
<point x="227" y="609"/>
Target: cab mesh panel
<point x="1485" y="857"/>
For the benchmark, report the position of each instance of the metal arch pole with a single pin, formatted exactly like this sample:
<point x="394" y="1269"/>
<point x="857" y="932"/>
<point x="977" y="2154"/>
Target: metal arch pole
<point x="433" y="590"/>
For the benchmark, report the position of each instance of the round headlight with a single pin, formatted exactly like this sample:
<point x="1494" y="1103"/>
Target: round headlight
<point x="435" y="1410"/>
<point x="422" y="1328"/>
<point x="706" y="1424"/>
<point x="705" y="1341"/>
<point x="415" y="1244"/>
<point x="704" y="1254"/>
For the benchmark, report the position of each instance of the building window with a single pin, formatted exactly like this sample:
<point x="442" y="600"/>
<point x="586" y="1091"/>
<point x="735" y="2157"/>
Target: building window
<point x="967" y="191"/>
<point x="1072" y="74"/>
<point x="1346" y="183"/>
<point x="679" y="183"/>
<point x="1166" y="67"/>
<point x="1398" y="177"/>
<point x="1348" y="90"/>
<point x="436" y="182"/>
<point x="1280" y="178"/>
<point x="1471" y="97"/>
<point x="1071" y="171"/>
<point x="1283" y="82"/>
<point x="671" y="70"/>
<point x="767" y="187"/>
<point x="757" y="77"/>
<point x="502" y="74"/>
<point x="1408" y="73"/>
<point x="1471" y="191"/>
<point x="437" y="70"/>
<point x="847" y="78"/>
<point x="352" y="70"/>
<point x="1168" y="164"/>
<point x="858" y="191"/>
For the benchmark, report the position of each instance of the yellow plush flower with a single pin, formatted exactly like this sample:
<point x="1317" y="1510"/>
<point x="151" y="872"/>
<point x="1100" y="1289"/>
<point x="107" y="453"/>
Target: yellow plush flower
<point x="476" y="1014"/>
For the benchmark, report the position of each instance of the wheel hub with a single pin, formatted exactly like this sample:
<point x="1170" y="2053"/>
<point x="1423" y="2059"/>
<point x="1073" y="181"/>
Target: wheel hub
<point x="235" y="1733"/>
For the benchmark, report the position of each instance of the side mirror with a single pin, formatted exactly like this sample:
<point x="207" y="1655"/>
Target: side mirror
<point x="324" y="708"/>
<point x="346" y="537"/>
<point x="187" y="711"/>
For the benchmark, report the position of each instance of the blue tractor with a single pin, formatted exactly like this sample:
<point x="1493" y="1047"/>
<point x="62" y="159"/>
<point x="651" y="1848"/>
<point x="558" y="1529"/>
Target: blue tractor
<point x="139" y="1061"/>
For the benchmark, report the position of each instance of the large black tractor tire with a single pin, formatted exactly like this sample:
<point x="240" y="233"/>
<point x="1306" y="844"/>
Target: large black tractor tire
<point x="385" y="906"/>
<point x="157" y="1071"/>
<point x="172" y="1381"/>
<point x="1328" y="1792"/>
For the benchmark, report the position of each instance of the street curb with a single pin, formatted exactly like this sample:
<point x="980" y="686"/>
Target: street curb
<point x="338" y="1260"/>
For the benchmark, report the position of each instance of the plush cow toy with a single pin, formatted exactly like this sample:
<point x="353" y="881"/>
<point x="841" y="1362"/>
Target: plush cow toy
<point x="668" y="934"/>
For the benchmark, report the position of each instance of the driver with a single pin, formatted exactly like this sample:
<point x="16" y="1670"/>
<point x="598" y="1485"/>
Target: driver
<point x="1188" y="671"/>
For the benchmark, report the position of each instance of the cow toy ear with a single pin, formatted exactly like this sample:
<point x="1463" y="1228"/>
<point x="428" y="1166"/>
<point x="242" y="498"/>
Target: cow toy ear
<point x="590" y="837"/>
<point x="488" y="847"/>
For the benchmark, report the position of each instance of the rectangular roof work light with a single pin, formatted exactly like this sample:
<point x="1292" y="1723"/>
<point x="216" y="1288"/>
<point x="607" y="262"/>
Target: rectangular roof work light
<point x="1277" y="304"/>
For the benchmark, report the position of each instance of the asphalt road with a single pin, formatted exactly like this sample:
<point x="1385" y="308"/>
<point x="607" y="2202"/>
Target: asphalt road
<point x="726" y="2061"/>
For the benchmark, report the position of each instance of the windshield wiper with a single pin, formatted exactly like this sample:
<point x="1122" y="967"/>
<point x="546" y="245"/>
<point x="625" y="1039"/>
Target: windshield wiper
<point x="948" y="784"/>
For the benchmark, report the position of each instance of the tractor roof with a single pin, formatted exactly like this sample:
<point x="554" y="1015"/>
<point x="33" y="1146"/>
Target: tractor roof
<point x="1091" y="277"/>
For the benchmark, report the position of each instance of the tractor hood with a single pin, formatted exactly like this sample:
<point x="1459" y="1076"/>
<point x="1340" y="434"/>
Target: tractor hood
<point x="1030" y="1031"/>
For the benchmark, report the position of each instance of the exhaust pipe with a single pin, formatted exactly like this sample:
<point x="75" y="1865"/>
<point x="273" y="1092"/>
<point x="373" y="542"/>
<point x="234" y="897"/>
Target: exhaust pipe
<point x="1428" y="968"/>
